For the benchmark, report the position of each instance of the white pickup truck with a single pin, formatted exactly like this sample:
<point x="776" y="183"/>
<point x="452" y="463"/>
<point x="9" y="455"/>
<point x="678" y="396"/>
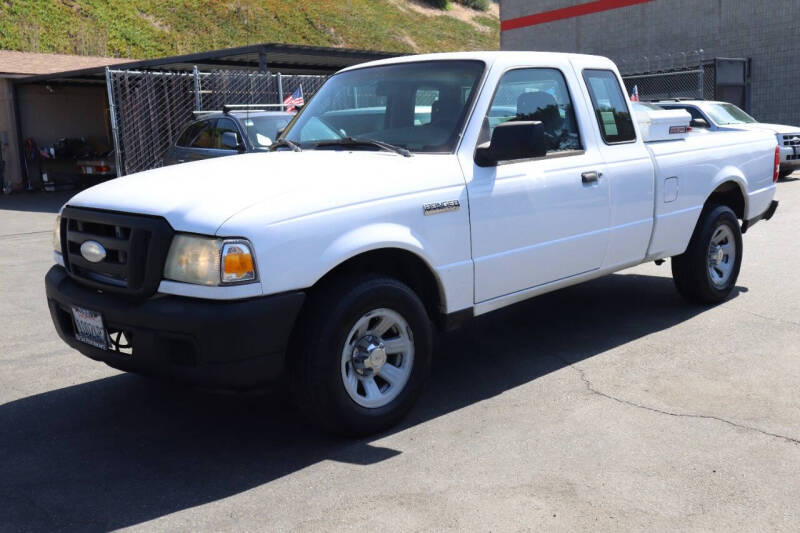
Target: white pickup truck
<point x="409" y="195"/>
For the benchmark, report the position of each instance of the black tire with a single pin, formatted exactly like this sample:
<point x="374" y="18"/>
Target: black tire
<point x="690" y="270"/>
<point x="316" y="359"/>
<point x="783" y="174"/>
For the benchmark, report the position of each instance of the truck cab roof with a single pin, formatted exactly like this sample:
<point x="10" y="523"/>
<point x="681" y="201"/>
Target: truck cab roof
<point x="512" y="58"/>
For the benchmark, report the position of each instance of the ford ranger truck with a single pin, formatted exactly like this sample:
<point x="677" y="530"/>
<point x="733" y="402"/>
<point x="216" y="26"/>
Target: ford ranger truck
<point x="409" y="195"/>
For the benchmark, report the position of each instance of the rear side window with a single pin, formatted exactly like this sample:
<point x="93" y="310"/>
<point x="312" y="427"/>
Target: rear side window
<point x="204" y="139"/>
<point x="425" y="99"/>
<point x="610" y="108"/>
<point x="190" y="133"/>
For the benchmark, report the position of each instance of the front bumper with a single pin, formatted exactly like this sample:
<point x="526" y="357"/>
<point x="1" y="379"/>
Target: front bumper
<point x="237" y="344"/>
<point x="790" y="157"/>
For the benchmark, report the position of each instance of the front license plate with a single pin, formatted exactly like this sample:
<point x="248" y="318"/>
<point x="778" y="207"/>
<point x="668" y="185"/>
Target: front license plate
<point x="89" y="327"/>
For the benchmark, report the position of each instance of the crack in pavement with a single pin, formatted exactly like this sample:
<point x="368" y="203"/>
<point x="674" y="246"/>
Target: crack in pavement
<point x="591" y="388"/>
<point x="767" y="318"/>
<point x="24" y="234"/>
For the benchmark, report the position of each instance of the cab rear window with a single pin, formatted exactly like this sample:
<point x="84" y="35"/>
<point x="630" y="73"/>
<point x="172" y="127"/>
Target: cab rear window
<point x="610" y="108"/>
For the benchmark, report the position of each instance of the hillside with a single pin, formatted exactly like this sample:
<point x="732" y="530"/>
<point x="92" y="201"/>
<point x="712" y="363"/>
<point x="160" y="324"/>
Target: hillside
<point x="150" y="28"/>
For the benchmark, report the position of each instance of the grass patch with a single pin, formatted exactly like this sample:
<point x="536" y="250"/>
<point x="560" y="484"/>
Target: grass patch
<point x="151" y="28"/>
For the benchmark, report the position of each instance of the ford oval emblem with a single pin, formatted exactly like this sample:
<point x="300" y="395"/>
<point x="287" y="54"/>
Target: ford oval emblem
<point x="93" y="251"/>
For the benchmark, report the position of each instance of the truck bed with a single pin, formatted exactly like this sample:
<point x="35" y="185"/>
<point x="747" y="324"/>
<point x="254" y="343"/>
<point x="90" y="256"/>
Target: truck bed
<point x="688" y="170"/>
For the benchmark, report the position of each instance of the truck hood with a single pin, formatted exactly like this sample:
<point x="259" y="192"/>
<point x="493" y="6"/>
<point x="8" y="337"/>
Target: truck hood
<point x="774" y="128"/>
<point x="199" y="197"/>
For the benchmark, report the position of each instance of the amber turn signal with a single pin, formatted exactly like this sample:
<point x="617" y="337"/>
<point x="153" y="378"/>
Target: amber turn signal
<point x="237" y="263"/>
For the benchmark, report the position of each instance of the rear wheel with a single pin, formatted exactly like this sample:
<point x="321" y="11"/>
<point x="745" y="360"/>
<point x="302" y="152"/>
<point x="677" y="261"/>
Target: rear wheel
<point x="785" y="173"/>
<point x="707" y="271"/>
<point x="362" y="355"/>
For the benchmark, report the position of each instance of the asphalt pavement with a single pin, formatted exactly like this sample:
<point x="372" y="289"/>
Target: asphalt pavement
<point x="609" y="406"/>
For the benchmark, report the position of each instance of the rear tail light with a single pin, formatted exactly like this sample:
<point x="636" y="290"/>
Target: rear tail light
<point x="777" y="164"/>
<point x="101" y="168"/>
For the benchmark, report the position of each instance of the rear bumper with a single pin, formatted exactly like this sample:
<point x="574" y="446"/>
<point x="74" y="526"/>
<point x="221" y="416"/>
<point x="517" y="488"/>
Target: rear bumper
<point x="766" y="215"/>
<point x="222" y="344"/>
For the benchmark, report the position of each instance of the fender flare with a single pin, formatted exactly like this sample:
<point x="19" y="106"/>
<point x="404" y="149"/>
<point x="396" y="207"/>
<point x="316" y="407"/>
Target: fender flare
<point x="371" y="238"/>
<point x="730" y="174"/>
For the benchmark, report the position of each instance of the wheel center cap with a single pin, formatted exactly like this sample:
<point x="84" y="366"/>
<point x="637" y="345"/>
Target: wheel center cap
<point x="369" y="355"/>
<point x="717" y="255"/>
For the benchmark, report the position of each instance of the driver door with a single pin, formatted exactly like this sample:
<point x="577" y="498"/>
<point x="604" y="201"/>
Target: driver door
<point x="539" y="220"/>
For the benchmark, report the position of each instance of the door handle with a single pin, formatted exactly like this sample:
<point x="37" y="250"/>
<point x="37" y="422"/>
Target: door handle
<point x="590" y="177"/>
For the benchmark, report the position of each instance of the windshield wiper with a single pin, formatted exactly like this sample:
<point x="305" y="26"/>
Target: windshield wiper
<point x="287" y="143"/>
<point x="363" y="141"/>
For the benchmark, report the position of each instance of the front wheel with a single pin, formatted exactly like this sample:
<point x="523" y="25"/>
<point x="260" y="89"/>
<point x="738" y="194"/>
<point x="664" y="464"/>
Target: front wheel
<point x="707" y="271"/>
<point x="362" y="356"/>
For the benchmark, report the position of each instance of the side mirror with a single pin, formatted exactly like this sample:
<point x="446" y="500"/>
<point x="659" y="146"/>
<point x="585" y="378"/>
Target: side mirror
<point x="230" y="141"/>
<point x="511" y="141"/>
<point x="698" y="123"/>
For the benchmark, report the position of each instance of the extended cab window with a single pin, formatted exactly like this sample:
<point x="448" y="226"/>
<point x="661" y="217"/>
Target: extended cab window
<point x="538" y="94"/>
<point x="610" y="108"/>
<point x="424" y="100"/>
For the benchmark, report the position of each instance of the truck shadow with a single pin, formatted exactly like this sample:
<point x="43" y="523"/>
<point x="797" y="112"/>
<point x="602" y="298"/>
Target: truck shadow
<point x="36" y="202"/>
<point x="123" y="450"/>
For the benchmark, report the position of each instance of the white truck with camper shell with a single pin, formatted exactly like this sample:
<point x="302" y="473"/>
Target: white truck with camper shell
<point x="409" y="195"/>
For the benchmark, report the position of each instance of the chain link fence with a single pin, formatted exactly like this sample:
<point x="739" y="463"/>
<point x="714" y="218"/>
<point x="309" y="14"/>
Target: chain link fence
<point x="679" y="75"/>
<point x="150" y="108"/>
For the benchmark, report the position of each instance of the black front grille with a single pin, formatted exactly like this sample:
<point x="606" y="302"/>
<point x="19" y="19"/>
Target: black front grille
<point x="136" y="247"/>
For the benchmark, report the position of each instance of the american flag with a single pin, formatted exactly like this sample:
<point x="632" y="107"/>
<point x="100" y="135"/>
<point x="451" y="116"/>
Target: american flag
<point x="295" y="99"/>
<point x="635" y="94"/>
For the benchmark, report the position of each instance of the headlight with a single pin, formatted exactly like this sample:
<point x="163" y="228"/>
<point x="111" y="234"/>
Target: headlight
<point x="209" y="261"/>
<point x="57" y="235"/>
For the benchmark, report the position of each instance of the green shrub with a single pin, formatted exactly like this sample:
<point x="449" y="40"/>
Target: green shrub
<point x="481" y="5"/>
<point x="441" y="4"/>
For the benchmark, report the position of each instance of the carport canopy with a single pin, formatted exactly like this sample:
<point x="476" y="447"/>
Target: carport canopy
<point x="269" y="57"/>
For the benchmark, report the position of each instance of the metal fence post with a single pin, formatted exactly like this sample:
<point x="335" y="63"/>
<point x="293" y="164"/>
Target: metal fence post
<point x="112" y="110"/>
<point x="196" y="76"/>
<point x="700" y="74"/>
<point x="280" y="92"/>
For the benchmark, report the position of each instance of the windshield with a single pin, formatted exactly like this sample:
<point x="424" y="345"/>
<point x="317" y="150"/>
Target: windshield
<point x="724" y="114"/>
<point x="420" y="106"/>
<point x="262" y="131"/>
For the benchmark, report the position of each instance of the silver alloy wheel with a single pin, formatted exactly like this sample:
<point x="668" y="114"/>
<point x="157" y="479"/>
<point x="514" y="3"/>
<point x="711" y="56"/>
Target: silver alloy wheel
<point x="377" y="358"/>
<point x="721" y="256"/>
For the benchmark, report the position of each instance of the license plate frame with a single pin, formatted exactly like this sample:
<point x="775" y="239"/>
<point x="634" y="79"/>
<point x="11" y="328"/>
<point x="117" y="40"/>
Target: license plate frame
<point x="90" y="328"/>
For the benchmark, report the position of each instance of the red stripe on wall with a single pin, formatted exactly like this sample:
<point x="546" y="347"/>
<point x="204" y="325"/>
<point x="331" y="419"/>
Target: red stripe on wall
<point x="567" y="12"/>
